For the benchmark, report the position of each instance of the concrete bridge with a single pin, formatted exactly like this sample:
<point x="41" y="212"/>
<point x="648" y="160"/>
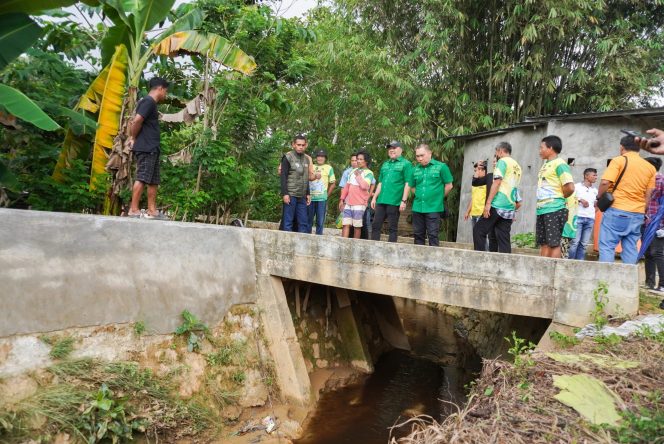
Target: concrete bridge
<point x="60" y="271"/>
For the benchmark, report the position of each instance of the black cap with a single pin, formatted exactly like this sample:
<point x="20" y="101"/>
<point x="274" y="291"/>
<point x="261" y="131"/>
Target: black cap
<point x="322" y="153"/>
<point x="393" y="144"/>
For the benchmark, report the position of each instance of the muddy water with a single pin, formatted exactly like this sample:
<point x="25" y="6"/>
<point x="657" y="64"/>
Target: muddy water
<point x="404" y="384"/>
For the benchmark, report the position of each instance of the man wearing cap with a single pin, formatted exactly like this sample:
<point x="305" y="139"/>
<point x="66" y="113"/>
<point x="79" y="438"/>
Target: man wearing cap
<point x="431" y="181"/>
<point x="391" y="192"/>
<point x="294" y="172"/>
<point x="321" y="187"/>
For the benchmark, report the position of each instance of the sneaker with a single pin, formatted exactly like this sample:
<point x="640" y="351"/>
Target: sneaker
<point x="658" y="290"/>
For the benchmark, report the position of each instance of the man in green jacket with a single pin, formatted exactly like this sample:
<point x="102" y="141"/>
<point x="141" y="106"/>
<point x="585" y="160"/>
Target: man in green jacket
<point x="391" y="192"/>
<point x="431" y="181"/>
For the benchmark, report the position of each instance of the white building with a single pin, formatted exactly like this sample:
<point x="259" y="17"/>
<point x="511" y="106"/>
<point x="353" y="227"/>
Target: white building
<point x="590" y="140"/>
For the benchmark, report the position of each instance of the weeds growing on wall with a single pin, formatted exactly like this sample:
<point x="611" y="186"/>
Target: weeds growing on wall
<point x="99" y="402"/>
<point x="194" y="329"/>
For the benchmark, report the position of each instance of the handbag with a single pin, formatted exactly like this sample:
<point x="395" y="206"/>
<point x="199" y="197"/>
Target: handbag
<point x="606" y="200"/>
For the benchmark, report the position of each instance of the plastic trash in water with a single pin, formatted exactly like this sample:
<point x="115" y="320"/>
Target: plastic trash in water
<point x="269" y="424"/>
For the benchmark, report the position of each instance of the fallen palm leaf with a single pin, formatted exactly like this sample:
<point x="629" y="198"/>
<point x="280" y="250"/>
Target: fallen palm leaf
<point x="581" y="359"/>
<point x="589" y="396"/>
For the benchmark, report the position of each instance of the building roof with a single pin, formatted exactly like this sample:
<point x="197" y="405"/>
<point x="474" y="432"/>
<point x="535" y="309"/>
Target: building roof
<point x="536" y="121"/>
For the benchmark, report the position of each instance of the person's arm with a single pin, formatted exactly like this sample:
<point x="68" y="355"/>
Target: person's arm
<point x="470" y="205"/>
<point x="285" y="169"/>
<point x="136" y="125"/>
<point x="375" y="196"/>
<point x="649" y="193"/>
<point x="333" y="183"/>
<point x="404" y="196"/>
<point x="568" y="189"/>
<point x="372" y="188"/>
<point x="448" y="188"/>
<point x="492" y="193"/>
<point x="344" y="194"/>
<point x="604" y="186"/>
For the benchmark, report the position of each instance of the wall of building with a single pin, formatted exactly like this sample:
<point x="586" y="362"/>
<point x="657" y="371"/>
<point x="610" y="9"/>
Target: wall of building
<point x="591" y="143"/>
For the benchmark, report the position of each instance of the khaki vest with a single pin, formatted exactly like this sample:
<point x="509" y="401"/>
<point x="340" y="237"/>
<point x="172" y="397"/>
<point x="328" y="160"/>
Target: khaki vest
<point x="298" y="176"/>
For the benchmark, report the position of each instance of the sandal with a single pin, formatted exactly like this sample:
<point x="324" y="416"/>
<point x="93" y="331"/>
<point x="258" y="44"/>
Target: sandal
<point x="135" y="215"/>
<point x="158" y="216"/>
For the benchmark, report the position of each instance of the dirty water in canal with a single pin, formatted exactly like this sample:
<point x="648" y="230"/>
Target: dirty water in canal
<point x="422" y="381"/>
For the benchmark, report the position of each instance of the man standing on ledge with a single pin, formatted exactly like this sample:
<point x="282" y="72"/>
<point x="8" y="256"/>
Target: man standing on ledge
<point x="294" y="172"/>
<point x="391" y="192"/>
<point x="502" y="202"/>
<point x="145" y="142"/>
<point x="431" y="181"/>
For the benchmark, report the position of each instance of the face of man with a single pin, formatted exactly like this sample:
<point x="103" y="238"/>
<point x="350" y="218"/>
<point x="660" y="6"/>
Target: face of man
<point x="499" y="154"/>
<point x="591" y="177"/>
<point x="300" y="146"/>
<point x="361" y="162"/>
<point x="162" y="93"/>
<point x="394" y="152"/>
<point x="423" y="156"/>
<point x="320" y="160"/>
<point x="353" y="162"/>
<point x="544" y="151"/>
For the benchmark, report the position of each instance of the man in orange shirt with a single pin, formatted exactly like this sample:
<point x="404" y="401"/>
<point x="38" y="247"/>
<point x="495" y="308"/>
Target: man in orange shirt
<point x="623" y="220"/>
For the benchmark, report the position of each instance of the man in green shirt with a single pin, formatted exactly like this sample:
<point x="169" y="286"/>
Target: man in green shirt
<point x="431" y="181"/>
<point x="391" y="192"/>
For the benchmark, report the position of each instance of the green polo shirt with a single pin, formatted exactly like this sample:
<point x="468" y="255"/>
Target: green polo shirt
<point x="429" y="182"/>
<point x="393" y="176"/>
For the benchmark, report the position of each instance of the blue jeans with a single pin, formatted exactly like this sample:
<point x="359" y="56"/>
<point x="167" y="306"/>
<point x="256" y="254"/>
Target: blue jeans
<point x="296" y="210"/>
<point x="619" y="226"/>
<point x="584" y="228"/>
<point x="318" y="208"/>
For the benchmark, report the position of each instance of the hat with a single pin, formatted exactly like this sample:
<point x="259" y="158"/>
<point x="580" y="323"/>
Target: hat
<point x="322" y="153"/>
<point x="393" y="144"/>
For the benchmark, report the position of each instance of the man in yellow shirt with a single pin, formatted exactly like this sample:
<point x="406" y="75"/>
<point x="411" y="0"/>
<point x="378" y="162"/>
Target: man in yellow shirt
<point x="623" y="220"/>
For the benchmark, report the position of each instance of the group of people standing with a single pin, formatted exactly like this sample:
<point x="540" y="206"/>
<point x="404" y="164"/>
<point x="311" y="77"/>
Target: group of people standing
<point x="629" y="197"/>
<point x="429" y="181"/>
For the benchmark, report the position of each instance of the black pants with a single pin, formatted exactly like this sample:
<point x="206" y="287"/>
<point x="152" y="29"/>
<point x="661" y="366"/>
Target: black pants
<point x="500" y="227"/>
<point x="655" y="263"/>
<point x="426" y="225"/>
<point x="389" y="212"/>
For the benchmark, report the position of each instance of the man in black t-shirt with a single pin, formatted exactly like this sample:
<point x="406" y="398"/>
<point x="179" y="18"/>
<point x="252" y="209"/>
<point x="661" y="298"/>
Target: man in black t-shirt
<point x="144" y="139"/>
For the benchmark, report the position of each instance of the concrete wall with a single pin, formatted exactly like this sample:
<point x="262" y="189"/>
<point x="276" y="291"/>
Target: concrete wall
<point x="60" y="270"/>
<point x="589" y="142"/>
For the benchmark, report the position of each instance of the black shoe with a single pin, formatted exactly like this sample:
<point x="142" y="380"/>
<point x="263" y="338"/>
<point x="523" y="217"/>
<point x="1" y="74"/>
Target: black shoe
<point x="661" y="304"/>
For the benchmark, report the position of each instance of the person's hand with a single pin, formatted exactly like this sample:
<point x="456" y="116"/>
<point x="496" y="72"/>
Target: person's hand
<point x="584" y="203"/>
<point x="279" y="170"/>
<point x="402" y="207"/>
<point x="655" y="144"/>
<point x="487" y="211"/>
<point x="287" y="199"/>
<point x="341" y="205"/>
<point x="308" y="200"/>
<point x="466" y="216"/>
<point x="373" y="204"/>
<point x="317" y="175"/>
<point x="130" y="142"/>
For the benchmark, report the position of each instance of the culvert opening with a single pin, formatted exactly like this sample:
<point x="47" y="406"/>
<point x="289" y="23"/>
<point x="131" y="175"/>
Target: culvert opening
<point x="374" y="359"/>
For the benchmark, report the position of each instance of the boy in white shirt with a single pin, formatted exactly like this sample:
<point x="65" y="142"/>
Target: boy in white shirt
<point x="587" y="195"/>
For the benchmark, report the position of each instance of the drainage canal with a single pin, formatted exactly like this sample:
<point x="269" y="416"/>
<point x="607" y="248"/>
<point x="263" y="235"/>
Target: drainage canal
<point x="445" y="347"/>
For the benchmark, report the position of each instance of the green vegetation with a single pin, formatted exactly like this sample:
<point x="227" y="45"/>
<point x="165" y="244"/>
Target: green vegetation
<point x="562" y="340"/>
<point x="520" y="350"/>
<point x="352" y="75"/>
<point x="139" y="328"/>
<point x="601" y="301"/>
<point x="100" y="402"/>
<point x="191" y="327"/>
<point x="60" y="347"/>
<point x="524" y="240"/>
<point x="232" y="353"/>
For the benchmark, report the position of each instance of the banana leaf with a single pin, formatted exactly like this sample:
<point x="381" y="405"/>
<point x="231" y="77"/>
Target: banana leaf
<point x="17" y="33"/>
<point x="20" y="105"/>
<point x="214" y="46"/>
<point x="37" y="6"/>
<point x="109" y="95"/>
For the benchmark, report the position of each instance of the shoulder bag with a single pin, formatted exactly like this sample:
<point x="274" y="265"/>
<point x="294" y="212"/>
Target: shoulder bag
<point x="606" y="200"/>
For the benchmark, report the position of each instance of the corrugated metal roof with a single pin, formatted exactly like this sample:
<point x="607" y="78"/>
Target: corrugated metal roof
<point x="536" y="121"/>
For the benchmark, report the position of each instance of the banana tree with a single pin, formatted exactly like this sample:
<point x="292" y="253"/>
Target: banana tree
<point x="112" y="96"/>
